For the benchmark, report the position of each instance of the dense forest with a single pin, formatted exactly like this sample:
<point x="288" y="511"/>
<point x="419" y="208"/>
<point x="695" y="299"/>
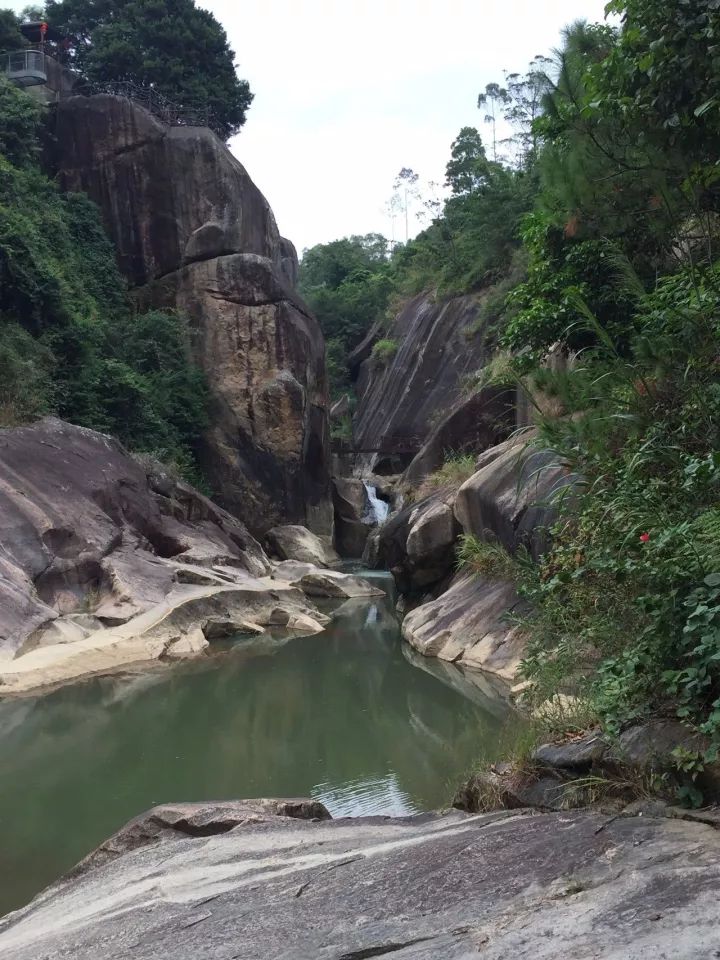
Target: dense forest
<point x="594" y="233"/>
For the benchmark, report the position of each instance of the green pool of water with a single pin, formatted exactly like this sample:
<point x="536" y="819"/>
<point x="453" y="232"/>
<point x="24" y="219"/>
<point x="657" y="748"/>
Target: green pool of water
<point x="351" y="716"/>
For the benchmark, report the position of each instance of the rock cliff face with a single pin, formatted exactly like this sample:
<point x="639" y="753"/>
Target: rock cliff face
<point x="194" y="233"/>
<point x="419" y="393"/>
<point x="254" y="879"/>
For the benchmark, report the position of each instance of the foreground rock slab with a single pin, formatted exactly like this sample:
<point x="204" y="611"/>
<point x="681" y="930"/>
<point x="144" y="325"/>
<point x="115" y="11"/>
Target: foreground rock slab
<point x="315" y="582"/>
<point x="517" y="885"/>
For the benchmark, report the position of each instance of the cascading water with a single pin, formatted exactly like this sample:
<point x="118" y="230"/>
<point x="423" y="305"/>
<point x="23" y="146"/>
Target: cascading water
<point x="378" y="509"/>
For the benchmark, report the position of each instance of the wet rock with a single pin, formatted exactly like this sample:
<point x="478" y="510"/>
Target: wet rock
<point x="372" y="557"/>
<point x="468" y="624"/>
<point x="298" y="543"/>
<point x="353" y="518"/>
<point x="248" y="884"/>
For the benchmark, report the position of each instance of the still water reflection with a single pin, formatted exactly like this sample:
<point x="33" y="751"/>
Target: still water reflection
<point x="350" y="716"/>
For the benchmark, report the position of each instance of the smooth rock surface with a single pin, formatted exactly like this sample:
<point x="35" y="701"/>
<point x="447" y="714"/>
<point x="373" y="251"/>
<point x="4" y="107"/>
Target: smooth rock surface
<point x="399" y="404"/>
<point x="85" y="528"/>
<point x="510" y="497"/>
<point x="332" y="583"/>
<point x="509" y="885"/>
<point x="575" y="755"/>
<point x="467" y="624"/>
<point x="418" y="544"/>
<point x="294" y="542"/>
<point x="473" y="423"/>
<point x="317" y="582"/>
<point x="173" y="628"/>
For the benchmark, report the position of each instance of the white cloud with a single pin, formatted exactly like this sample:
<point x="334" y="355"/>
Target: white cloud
<point x="349" y="91"/>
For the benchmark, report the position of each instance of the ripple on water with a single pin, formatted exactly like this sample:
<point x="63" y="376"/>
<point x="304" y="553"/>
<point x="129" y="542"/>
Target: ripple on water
<point x="366" y="797"/>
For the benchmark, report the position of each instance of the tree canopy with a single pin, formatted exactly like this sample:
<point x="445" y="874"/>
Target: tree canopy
<point x="176" y="47"/>
<point x="347" y="283"/>
<point x="10" y="36"/>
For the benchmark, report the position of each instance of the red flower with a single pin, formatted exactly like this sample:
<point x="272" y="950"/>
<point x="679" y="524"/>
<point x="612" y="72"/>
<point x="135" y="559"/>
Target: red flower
<point x="644" y="537"/>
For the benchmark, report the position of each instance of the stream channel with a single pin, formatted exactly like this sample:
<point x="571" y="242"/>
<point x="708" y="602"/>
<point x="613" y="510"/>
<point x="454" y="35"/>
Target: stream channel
<point x="352" y="717"/>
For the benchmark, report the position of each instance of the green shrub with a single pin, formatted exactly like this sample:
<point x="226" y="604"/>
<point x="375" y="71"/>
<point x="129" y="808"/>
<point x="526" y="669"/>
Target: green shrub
<point x="384" y="351"/>
<point x="627" y="603"/>
<point x="458" y="468"/>
<point x="488" y="560"/>
<point x="26" y="368"/>
<point x="342" y="430"/>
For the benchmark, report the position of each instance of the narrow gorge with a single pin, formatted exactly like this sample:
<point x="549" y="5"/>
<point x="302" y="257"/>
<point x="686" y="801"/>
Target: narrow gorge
<point x="366" y="601"/>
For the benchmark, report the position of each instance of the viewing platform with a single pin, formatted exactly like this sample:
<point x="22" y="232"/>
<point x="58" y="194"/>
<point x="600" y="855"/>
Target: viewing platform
<point x="26" y="68"/>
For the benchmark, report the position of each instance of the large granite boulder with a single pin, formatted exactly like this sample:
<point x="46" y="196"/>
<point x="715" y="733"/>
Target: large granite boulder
<point x="316" y="582"/>
<point x="468" y="624"/>
<point x="248" y="880"/>
<point x="176" y="628"/>
<point x="194" y="233"/>
<point x="512" y="498"/>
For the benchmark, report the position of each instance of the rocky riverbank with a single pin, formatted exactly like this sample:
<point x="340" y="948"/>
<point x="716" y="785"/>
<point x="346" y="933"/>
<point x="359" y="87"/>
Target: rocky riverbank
<point x="107" y="561"/>
<point x="248" y="880"/>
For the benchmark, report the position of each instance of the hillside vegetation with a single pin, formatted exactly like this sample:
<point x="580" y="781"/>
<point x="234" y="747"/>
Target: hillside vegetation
<point x="596" y="231"/>
<point x="70" y="341"/>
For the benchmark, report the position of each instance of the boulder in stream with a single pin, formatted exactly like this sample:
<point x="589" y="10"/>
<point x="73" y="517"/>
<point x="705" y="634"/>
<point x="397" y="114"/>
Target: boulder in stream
<point x="418" y="544"/>
<point x="294" y="542"/>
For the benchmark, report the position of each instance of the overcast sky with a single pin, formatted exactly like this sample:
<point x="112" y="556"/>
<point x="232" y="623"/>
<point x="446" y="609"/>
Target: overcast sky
<point x="349" y="91"/>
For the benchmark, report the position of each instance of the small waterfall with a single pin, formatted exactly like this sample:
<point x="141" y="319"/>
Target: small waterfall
<point x="379" y="510"/>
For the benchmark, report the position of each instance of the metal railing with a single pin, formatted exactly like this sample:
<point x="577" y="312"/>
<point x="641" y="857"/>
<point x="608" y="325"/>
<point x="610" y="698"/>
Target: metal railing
<point x="24" y="67"/>
<point x="29" y="68"/>
<point x="168" y="112"/>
